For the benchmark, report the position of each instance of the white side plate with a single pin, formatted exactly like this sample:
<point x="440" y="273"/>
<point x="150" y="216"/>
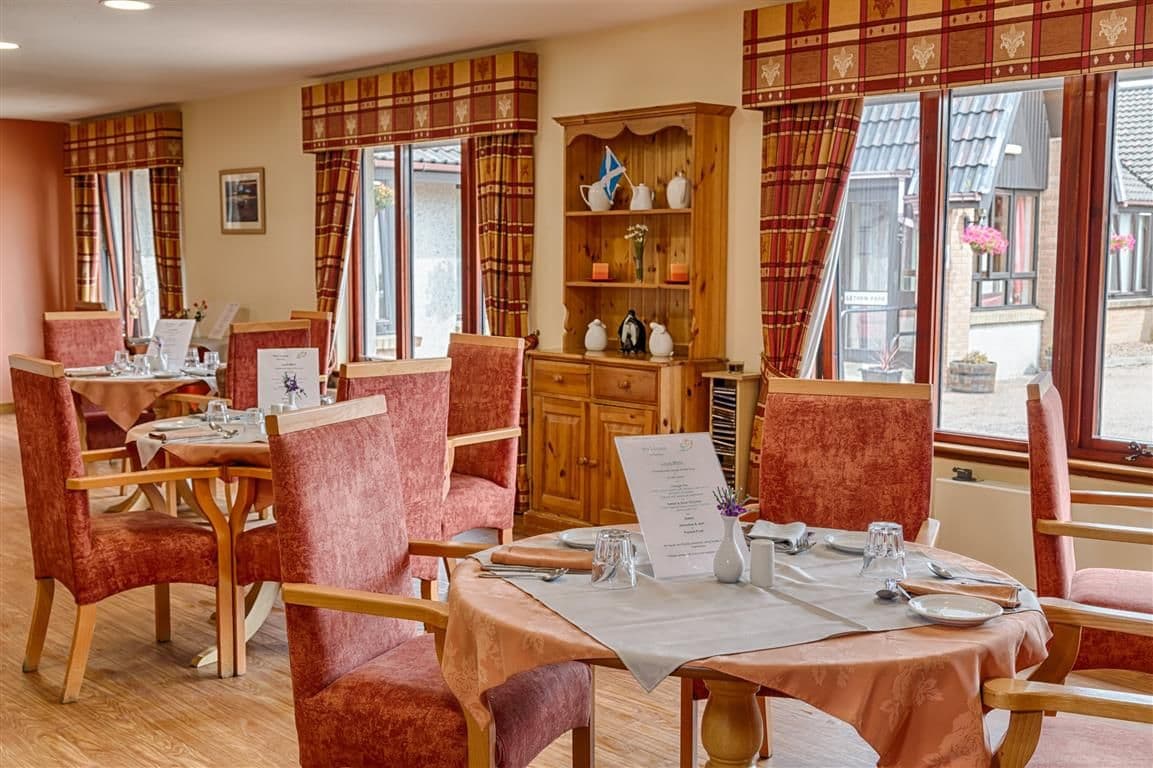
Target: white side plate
<point x="955" y="610"/>
<point x="852" y="542"/>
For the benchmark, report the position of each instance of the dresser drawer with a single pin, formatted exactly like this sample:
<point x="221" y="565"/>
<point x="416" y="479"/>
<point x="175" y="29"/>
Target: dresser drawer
<point x="632" y="384"/>
<point x="560" y="378"/>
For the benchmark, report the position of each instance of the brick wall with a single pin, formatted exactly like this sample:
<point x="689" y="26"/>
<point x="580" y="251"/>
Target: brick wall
<point x="1047" y="243"/>
<point x="958" y="291"/>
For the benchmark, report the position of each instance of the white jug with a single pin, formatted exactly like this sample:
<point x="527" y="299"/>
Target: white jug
<point x="642" y="198"/>
<point x="595" y="196"/>
<point x="677" y="191"/>
<point x="596" y="338"/>
<point x="660" y="342"/>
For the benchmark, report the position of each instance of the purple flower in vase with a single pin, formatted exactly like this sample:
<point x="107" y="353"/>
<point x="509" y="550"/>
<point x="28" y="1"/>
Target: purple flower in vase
<point x="726" y="497"/>
<point x="292" y="387"/>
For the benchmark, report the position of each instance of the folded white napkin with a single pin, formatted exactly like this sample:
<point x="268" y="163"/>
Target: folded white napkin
<point x="789" y="533"/>
<point x="87" y="370"/>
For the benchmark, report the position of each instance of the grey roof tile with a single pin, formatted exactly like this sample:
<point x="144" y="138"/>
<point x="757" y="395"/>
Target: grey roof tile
<point x="1133" y="138"/>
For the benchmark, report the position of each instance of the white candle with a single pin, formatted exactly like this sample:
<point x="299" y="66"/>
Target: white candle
<point x="763" y="555"/>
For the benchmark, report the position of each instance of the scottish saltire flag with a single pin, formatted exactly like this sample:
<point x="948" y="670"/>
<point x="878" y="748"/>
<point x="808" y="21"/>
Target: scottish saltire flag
<point x="611" y="172"/>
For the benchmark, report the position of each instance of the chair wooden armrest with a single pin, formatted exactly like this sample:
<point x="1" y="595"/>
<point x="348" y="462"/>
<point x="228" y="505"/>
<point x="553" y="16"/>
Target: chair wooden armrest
<point x="927" y="535"/>
<point x="1027" y="696"/>
<point x="145" y="477"/>
<point x="1101" y="531"/>
<point x="104" y="454"/>
<point x="445" y="549"/>
<point x="429" y="612"/>
<point x="1113" y="498"/>
<point x="1059" y="611"/>
<point x="487" y="436"/>
<point x="752" y="513"/>
<point x="255" y="473"/>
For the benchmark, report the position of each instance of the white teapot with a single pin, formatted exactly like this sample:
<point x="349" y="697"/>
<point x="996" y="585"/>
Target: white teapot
<point x="660" y="342"/>
<point x="596" y="337"/>
<point x="677" y="191"/>
<point x="642" y="198"/>
<point x="596" y="196"/>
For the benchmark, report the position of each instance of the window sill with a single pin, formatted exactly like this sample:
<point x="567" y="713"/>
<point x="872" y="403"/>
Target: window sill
<point x="1130" y="302"/>
<point x="1007" y="315"/>
<point x="1081" y="467"/>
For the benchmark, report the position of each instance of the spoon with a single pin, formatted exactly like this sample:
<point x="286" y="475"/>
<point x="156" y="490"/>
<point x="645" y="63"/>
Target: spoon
<point x="542" y="575"/>
<point x="892" y="590"/>
<point x="941" y="572"/>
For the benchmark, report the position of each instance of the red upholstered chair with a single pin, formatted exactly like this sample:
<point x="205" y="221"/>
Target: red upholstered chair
<point x="366" y="681"/>
<point x="244" y="340"/>
<point x="1057" y="575"/>
<point x="417" y="395"/>
<point x="96" y="557"/>
<point x="484" y="428"/>
<point x="838" y="454"/>
<point x="321" y="326"/>
<point x="79" y="339"/>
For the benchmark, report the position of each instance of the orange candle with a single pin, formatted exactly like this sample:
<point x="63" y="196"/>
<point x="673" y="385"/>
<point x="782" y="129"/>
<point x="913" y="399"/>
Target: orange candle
<point x="678" y="273"/>
<point x="600" y="270"/>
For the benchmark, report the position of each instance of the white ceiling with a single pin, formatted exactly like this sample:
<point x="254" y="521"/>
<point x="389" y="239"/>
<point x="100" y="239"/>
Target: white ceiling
<point x="79" y="59"/>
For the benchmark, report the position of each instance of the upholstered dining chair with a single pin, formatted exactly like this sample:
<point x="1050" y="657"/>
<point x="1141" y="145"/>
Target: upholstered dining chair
<point x="85" y="338"/>
<point x="417" y="392"/>
<point x="1054" y="530"/>
<point x="321" y="327"/>
<point x="1054" y="740"/>
<point x="97" y="557"/>
<point x="837" y="454"/>
<point x="366" y="681"/>
<point x="484" y="410"/>
<point x="245" y="340"/>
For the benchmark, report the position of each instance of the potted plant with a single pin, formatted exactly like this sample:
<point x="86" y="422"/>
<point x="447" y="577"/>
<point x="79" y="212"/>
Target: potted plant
<point x="986" y="242"/>
<point x="974" y="372"/>
<point x="886" y="369"/>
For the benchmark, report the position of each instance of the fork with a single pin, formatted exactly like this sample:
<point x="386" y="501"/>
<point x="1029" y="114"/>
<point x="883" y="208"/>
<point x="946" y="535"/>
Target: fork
<point x="552" y="575"/>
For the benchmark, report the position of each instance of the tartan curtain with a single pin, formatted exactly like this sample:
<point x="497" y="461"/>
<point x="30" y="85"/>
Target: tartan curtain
<point x="164" y="183"/>
<point x="85" y="207"/>
<point x="806" y="154"/>
<point x="505" y="221"/>
<point x="337" y="173"/>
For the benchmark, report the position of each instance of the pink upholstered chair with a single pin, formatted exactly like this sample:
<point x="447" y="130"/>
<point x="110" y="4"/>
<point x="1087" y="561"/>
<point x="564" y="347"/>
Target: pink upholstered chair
<point x="1054" y="530"/>
<point x="366" y="681"/>
<point x="417" y="393"/>
<point x="321" y="328"/>
<point x="96" y="557"/>
<point x="838" y="454"/>
<point x="79" y="339"/>
<point x="484" y="428"/>
<point x="244" y="340"/>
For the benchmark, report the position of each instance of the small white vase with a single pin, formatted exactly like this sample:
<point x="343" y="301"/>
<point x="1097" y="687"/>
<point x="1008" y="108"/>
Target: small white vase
<point x="729" y="562"/>
<point x="596" y="338"/>
<point x="677" y="191"/>
<point x="660" y="342"/>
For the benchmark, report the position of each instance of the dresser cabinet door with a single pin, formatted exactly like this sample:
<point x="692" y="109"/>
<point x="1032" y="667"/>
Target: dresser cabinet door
<point x="560" y="461"/>
<point x="611" y="503"/>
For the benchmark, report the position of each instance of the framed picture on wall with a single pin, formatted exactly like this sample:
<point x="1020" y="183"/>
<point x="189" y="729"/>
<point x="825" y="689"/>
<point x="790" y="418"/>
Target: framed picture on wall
<point x="242" y="201"/>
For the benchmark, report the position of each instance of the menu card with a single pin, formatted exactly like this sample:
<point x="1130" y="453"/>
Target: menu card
<point x="173" y="336"/>
<point x="220" y="327"/>
<point x="671" y="479"/>
<point x="279" y="371"/>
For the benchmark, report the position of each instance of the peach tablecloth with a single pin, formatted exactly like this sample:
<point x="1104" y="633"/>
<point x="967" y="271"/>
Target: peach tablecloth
<point x="124" y="398"/>
<point x="912" y="694"/>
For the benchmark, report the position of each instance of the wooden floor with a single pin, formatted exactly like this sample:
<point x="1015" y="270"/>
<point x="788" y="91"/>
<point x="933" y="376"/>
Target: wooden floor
<point x="141" y="705"/>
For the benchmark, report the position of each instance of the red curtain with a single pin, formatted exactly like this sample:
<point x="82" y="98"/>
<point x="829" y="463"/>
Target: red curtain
<point x="337" y="174"/>
<point x="806" y="154"/>
<point x="164" y="183"/>
<point x="85" y="207"/>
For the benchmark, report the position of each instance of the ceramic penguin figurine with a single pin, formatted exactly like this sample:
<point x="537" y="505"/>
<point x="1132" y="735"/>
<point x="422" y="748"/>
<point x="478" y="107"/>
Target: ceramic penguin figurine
<point x="632" y="334"/>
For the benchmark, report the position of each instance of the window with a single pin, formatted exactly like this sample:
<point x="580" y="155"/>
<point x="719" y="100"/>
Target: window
<point x="1130" y="253"/>
<point x="414" y="260"/>
<point x="1008" y="278"/>
<point x="128" y="279"/>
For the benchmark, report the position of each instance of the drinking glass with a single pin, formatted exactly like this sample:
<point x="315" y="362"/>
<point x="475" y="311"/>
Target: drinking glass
<point x="120" y="361"/>
<point x="254" y="418"/>
<point x="327" y="398"/>
<point x="614" y="562"/>
<point x="211" y="360"/>
<point x="141" y="366"/>
<point x="216" y="412"/>
<point x="884" y="551"/>
<point x="192" y="358"/>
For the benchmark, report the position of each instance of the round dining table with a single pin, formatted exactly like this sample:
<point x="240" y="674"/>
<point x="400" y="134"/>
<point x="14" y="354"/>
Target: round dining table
<point x="125" y="397"/>
<point x="913" y="694"/>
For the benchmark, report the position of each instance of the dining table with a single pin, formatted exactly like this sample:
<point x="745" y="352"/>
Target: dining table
<point x="124" y="396"/>
<point x="913" y="691"/>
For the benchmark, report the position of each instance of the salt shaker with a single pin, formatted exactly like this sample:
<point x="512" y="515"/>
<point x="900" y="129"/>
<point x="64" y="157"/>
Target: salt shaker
<point x="763" y="556"/>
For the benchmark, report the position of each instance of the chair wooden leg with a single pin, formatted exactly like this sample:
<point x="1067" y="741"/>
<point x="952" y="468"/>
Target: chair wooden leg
<point x="506" y="535"/>
<point x="584" y="739"/>
<point x="123" y="468"/>
<point x="78" y="655"/>
<point x="1020" y="740"/>
<point x="161" y="597"/>
<point x="689" y="728"/>
<point x="481" y="745"/>
<point x="766" y="721"/>
<point x="41" y="610"/>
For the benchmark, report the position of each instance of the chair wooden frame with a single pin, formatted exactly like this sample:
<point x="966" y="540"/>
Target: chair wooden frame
<point x="83" y="314"/>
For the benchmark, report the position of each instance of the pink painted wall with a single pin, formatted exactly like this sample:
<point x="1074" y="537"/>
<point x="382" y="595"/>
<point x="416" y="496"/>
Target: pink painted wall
<point x="35" y="236"/>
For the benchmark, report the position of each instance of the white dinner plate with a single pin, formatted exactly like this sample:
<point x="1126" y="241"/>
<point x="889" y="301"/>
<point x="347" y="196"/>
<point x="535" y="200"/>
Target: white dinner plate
<point x="585" y="538"/>
<point x="955" y="610"/>
<point x="852" y="542"/>
<point x="166" y="374"/>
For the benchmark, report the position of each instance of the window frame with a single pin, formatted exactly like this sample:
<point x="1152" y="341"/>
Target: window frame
<point x="118" y="265"/>
<point x="1011" y="275"/>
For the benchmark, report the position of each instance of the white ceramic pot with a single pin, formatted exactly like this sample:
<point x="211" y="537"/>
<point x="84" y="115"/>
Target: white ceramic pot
<point x="660" y="342"/>
<point x="642" y="198"/>
<point x="596" y="338"/>
<point x="677" y="191"/>
<point x="729" y="562"/>
<point x="595" y="196"/>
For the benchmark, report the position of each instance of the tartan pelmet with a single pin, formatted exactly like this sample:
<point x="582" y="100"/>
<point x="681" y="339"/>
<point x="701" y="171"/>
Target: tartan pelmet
<point x="85" y="208"/>
<point x="505" y="218"/>
<point x="834" y="49"/>
<point x="337" y="173"/>
<point x="143" y="140"/>
<point x="470" y="97"/>
<point x="164" y="183"/>
<point x="807" y="152"/>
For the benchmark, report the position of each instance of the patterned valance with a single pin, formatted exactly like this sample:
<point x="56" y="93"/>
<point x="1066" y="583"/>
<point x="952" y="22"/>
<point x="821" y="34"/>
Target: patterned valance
<point x="485" y="95"/>
<point x="143" y="140"/>
<point x="822" y="49"/>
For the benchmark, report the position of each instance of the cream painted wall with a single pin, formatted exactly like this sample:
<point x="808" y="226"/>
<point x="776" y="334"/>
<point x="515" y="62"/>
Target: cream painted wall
<point x="271" y="274"/>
